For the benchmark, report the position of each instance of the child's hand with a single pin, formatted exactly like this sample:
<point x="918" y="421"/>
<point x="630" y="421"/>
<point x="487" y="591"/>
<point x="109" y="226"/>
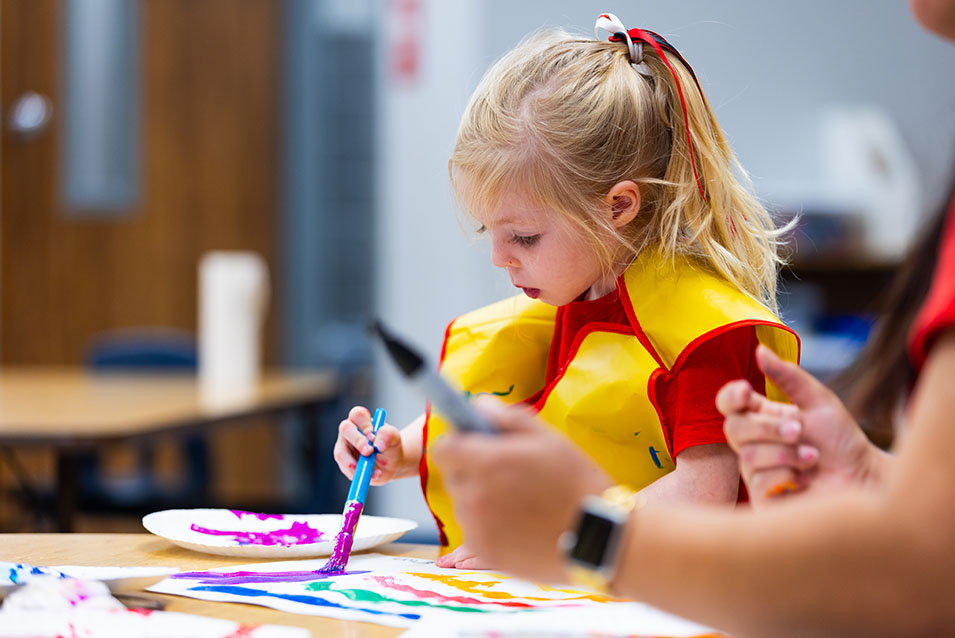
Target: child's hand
<point x="461" y="558"/>
<point x="355" y="438"/>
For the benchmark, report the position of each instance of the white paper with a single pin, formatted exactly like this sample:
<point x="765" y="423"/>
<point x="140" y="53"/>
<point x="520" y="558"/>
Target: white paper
<point x="400" y="591"/>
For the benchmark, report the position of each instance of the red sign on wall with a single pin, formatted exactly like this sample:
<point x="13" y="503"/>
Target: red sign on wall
<point x="405" y="30"/>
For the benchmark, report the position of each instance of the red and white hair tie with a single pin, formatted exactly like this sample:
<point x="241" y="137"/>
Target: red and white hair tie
<point x="635" y="39"/>
<point x="613" y="27"/>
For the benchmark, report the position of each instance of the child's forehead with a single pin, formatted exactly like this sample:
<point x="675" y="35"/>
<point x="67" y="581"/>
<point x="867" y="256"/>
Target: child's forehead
<point x="511" y="208"/>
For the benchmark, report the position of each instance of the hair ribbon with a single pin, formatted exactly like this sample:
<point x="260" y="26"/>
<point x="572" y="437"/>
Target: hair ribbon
<point x="634" y="39"/>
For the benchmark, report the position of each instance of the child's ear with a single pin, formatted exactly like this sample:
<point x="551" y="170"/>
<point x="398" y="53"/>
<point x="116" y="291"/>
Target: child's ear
<point x="623" y="200"/>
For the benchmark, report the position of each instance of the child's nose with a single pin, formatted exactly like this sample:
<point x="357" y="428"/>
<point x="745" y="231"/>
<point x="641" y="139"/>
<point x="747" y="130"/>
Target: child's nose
<point x="502" y="257"/>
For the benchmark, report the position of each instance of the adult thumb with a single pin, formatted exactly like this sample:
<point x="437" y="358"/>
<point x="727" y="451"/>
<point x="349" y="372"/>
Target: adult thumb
<point x="803" y="389"/>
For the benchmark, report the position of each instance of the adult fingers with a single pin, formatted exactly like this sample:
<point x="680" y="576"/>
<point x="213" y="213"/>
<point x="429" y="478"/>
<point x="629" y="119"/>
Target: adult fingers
<point x="737" y="396"/>
<point x="773" y="484"/>
<point x="758" y="457"/>
<point x="745" y="428"/>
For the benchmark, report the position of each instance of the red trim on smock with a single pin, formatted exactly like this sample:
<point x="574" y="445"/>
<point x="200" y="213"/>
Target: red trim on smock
<point x="686" y="397"/>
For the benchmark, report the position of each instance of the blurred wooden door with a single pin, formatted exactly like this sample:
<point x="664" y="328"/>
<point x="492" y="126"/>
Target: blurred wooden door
<point x="210" y="73"/>
<point x="210" y="82"/>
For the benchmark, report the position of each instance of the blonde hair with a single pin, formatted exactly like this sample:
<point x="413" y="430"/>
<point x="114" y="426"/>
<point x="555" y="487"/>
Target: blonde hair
<point x="563" y="119"/>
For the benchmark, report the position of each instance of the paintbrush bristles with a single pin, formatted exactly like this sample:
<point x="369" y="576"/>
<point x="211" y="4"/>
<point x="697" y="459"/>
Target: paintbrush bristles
<point x="343" y="540"/>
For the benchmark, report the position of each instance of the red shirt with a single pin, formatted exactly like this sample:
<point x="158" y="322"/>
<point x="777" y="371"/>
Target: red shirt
<point x="687" y="396"/>
<point x="938" y="310"/>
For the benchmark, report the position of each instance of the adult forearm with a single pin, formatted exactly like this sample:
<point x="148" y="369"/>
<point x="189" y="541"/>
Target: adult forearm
<point x="827" y="567"/>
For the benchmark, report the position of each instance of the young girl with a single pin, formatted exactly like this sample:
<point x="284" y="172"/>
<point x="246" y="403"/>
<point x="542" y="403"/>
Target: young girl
<point x="648" y="270"/>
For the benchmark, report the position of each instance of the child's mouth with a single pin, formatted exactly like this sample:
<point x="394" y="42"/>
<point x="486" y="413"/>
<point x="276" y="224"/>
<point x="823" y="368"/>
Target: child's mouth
<point x="533" y="293"/>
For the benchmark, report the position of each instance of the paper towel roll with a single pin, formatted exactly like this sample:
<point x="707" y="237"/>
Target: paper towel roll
<point x="233" y="298"/>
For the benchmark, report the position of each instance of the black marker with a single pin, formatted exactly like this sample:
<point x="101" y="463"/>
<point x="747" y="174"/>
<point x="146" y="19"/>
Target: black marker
<point x="432" y="385"/>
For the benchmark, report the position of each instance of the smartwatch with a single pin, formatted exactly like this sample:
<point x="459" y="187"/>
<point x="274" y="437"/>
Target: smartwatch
<point x="593" y="547"/>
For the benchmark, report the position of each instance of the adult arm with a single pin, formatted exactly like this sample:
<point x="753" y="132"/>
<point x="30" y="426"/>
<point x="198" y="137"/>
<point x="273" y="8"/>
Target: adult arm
<point x="875" y="559"/>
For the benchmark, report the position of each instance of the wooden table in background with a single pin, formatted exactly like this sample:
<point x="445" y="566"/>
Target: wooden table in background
<point x="73" y="409"/>
<point x="148" y="551"/>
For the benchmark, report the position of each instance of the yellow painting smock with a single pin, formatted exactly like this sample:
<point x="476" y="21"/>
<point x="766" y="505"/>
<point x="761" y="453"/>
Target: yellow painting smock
<point x="603" y="398"/>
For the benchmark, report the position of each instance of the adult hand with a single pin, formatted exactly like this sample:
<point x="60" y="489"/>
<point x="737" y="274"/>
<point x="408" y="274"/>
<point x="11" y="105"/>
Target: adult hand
<point x="812" y="445"/>
<point x="517" y="491"/>
<point x="355" y="438"/>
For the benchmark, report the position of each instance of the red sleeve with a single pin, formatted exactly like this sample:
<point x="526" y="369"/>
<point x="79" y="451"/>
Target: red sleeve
<point x="938" y="310"/>
<point x="687" y="398"/>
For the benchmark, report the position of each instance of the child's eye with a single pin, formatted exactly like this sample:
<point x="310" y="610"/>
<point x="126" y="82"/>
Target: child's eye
<point x="482" y="229"/>
<point x="525" y="240"/>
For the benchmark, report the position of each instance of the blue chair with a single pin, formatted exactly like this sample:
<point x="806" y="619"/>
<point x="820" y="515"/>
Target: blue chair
<point x="145" y="350"/>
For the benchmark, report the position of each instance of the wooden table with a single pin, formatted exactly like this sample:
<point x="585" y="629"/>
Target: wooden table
<point x="148" y="550"/>
<point x="72" y="409"/>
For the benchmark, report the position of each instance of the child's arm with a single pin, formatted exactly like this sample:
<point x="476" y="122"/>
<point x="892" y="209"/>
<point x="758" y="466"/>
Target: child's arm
<point x="399" y="451"/>
<point x="703" y="474"/>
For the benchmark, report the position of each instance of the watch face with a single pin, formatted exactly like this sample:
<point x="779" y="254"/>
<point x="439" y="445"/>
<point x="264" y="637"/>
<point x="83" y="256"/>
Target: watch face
<point x="593" y="539"/>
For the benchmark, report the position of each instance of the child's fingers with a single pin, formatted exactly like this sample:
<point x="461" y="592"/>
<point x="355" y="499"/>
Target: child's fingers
<point x="361" y="417"/>
<point x="344" y="456"/>
<point x="474" y="562"/>
<point x="348" y="431"/>
<point x="456" y="555"/>
<point x="388" y="437"/>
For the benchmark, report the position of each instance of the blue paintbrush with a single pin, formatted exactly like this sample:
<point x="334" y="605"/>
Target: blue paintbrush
<point x="354" y="503"/>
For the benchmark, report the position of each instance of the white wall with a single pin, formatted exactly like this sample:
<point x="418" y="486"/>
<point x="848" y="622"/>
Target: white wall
<point x="430" y="270"/>
<point x="769" y="68"/>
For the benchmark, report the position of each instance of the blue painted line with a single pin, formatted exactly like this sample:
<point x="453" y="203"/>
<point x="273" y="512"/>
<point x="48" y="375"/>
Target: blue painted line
<point x="656" y="459"/>
<point x="297" y="598"/>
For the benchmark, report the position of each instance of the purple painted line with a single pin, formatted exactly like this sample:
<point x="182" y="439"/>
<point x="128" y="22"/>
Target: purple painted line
<point x="240" y="513"/>
<point x="298" y="534"/>
<point x="344" y="539"/>
<point x="247" y="578"/>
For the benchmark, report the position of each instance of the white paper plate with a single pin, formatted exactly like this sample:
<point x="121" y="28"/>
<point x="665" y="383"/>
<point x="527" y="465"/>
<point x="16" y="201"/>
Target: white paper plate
<point x="236" y="533"/>
<point x="118" y="579"/>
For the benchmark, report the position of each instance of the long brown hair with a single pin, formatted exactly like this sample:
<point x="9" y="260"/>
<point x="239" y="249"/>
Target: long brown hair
<point x="879" y="381"/>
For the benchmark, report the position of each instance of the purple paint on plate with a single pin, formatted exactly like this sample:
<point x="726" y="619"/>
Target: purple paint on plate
<point x="246" y="578"/>
<point x="344" y="539"/>
<point x="298" y="534"/>
<point x="240" y="513"/>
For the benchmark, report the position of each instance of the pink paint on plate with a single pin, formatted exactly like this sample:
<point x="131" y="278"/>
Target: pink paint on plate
<point x="298" y="534"/>
<point x="240" y="513"/>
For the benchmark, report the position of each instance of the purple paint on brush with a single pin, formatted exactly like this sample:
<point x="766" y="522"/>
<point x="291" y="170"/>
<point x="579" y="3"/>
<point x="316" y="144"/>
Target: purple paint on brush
<point x="343" y="540"/>
<point x="298" y="534"/>
<point x="240" y="513"/>
<point x="247" y="578"/>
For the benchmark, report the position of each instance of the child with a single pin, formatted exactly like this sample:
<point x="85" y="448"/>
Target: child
<point x="608" y="192"/>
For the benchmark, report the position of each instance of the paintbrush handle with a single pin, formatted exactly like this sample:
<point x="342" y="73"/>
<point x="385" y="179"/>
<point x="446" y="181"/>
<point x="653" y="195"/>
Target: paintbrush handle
<point x="365" y="465"/>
